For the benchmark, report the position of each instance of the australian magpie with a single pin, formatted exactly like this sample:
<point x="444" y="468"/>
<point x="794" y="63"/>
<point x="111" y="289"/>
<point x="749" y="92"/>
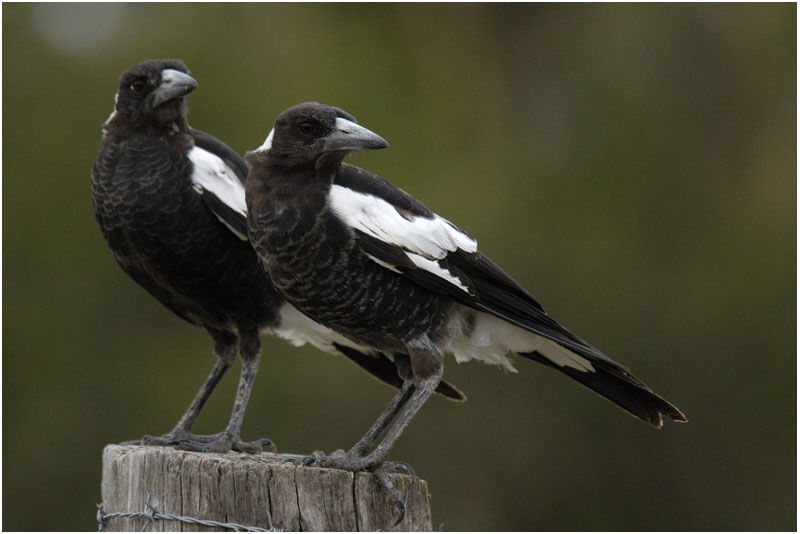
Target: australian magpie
<point x="373" y="263"/>
<point x="169" y="200"/>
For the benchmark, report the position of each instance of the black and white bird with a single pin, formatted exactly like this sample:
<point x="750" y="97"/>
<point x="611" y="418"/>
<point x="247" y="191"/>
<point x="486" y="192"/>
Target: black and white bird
<point x="371" y="262"/>
<point x="170" y="202"/>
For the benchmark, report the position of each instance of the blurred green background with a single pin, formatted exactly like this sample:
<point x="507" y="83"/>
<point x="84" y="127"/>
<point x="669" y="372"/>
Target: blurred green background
<point x="632" y="165"/>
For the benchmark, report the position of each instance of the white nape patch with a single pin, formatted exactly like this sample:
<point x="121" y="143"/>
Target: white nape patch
<point x="433" y="267"/>
<point x="267" y="142"/>
<point x="298" y="329"/>
<point x="210" y="173"/>
<point x="431" y="238"/>
<point x="491" y="339"/>
<point x="113" y="113"/>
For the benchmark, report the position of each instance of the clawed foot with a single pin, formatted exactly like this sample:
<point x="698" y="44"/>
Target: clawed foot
<point x="351" y="462"/>
<point x="226" y="444"/>
<point x="221" y="442"/>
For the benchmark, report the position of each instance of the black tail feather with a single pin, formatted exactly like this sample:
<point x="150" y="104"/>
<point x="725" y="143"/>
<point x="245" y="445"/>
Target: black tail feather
<point x="384" y="369"/>
<point x="618" y="385"/>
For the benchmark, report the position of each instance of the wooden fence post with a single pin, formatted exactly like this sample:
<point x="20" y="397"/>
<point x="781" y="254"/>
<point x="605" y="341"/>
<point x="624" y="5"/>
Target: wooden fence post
<point x="251" y="490"/>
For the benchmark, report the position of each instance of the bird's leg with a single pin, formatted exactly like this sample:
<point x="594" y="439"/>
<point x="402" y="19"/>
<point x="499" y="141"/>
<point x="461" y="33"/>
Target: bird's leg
<point x="376" y="460"/>
<point x="402" y="409"/>
<point x="422" y="391"/>
<point x="181" y="432"/>
<point x="229" y="439"/>
<point x="250" y="365"/>
<point x="187" y="420"/>
<point x="225" y="345"/>
<point x="368" y="440"/>
<point x="370" y="437"/>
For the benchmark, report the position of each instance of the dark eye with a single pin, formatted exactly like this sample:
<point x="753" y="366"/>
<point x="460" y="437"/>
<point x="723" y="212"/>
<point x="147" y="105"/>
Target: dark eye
<point x="138" y="86"/>
<point x="306" y="127"/>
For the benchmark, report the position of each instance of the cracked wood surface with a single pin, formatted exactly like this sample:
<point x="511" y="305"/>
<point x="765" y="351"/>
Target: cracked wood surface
<point x="241" y="488"/>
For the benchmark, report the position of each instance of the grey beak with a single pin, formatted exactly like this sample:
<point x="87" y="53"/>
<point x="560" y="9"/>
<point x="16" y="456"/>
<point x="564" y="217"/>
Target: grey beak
<point x="350" y="136"/>
<point x="174" y="84"/>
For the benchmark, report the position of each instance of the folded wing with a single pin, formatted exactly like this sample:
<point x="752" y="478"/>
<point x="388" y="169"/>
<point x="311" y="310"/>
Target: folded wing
<point x="400" y="233"/>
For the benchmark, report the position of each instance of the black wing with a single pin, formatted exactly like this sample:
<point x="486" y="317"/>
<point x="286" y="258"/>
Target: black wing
<point x="400" y="233"/>
<point x="218" y="176"/>
<point x="221" y="150"/>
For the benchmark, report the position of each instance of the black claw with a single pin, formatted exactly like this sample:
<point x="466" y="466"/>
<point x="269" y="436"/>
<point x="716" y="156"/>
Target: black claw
<point x="380" y="470"/>
<point x="402" y="466"/>
<point x="383" y="477"/>
<point x="268" y="443"/>
<point x="401" y="512"/>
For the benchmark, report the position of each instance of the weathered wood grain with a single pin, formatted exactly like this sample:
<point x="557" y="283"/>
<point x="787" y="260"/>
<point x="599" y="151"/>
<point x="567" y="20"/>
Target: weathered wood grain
<point x="248" y="489"/>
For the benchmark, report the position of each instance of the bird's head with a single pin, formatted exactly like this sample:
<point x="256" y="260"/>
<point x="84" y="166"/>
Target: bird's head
<point x="314" y="134"/>
<point x="153" y="93"/>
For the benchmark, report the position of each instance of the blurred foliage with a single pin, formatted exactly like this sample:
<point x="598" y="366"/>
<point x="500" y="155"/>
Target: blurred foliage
<point x="639" y="156"/>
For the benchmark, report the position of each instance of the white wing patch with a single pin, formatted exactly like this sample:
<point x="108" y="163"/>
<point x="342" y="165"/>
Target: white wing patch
<point x="384" y="264"/>
<point x="432" y="266"/>
<point x="424" y="239"/>
<point x="212" y="174"/>
<point x="432" y="238"/>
